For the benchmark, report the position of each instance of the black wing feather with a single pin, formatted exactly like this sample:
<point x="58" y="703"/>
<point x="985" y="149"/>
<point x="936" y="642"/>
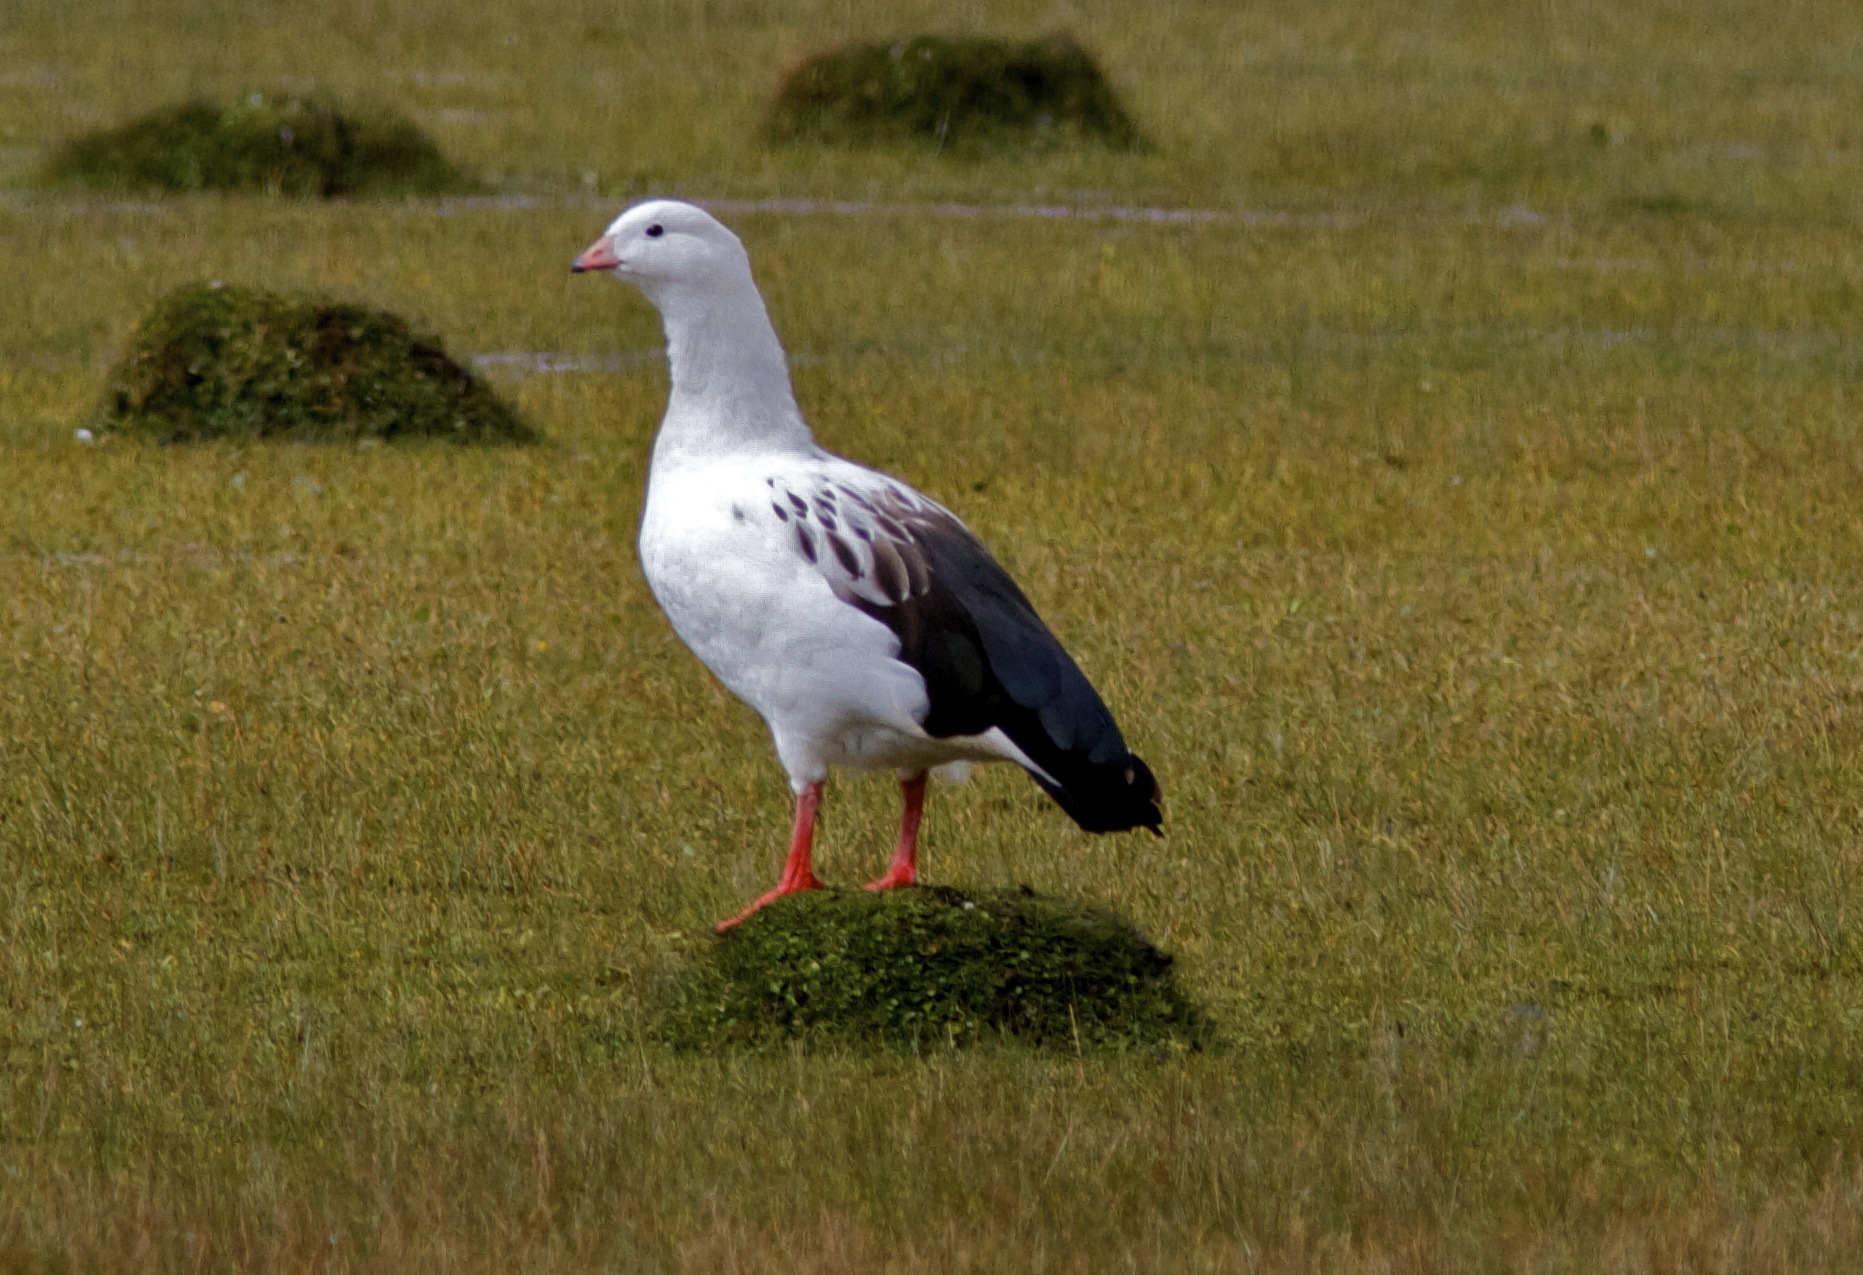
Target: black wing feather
<point x="987" y="659"/>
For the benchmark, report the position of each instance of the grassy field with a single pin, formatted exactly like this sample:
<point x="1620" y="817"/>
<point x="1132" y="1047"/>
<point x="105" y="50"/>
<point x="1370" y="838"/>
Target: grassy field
<point x="1469" y="530"/>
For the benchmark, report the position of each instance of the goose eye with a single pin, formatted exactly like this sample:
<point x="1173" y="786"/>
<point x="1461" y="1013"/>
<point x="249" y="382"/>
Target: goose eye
<point x="655" y="230"/>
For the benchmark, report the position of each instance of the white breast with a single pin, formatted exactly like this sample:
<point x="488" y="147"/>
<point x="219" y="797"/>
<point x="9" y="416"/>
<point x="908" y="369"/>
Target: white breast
<point x="821" y="673"/>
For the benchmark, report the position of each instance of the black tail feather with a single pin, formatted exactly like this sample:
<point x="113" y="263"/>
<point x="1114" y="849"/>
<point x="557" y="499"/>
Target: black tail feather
<point x="1111" y="798"/>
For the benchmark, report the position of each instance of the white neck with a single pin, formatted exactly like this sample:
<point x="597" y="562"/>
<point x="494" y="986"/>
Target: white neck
<point x="730" y="380"/>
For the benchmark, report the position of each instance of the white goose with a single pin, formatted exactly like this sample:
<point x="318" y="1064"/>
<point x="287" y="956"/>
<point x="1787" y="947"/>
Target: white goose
<point x="863" y="621"/>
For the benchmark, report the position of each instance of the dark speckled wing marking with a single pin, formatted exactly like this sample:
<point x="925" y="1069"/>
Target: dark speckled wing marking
<point x="963" y="625"/>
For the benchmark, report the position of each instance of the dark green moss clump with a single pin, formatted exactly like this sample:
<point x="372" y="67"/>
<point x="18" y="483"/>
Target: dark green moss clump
<point x="282" y="145"/>
<point x="954" y="90"/>
<point x="223" y="362"/>
<point x="929" y="966"/>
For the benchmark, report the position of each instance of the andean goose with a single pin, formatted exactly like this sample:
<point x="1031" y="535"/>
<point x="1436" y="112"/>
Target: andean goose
<point x="863" y="621"/>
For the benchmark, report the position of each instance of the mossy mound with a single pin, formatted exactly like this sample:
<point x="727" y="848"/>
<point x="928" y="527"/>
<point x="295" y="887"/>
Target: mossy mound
<point x="953" y="90"/>
<point x="223" y="362"/>
<point x="281" y="144"/>
<point x="932" y="966"/>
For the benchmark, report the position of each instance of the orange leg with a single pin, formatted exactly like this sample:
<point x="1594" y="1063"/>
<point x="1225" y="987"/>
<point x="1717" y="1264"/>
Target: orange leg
<point x="905" y="866"/>
<point x="797" y="874"/>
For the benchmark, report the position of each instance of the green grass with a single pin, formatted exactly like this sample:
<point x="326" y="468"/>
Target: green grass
<point x="931" y="967"/>
<point x="269" y="144"/>
<point x="1484" y="588"/>
<point x="238" y="364"/>
<point x="965" y="92"/>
